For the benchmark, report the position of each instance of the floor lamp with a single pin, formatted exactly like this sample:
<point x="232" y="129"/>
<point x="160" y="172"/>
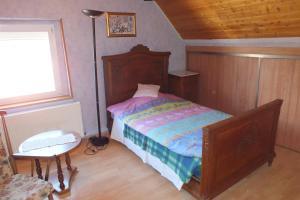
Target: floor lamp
<point x="99" y="141"/>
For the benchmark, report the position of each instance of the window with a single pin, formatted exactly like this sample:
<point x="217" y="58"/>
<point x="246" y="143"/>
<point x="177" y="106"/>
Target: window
<point x="33" y="64"/>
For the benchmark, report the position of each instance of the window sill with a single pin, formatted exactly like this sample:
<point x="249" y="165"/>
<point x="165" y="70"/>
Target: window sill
<point x="31" y="103"/>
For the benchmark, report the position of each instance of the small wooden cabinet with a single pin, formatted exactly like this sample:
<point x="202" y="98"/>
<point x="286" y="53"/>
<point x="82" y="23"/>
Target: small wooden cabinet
<point x="184" y="84"/>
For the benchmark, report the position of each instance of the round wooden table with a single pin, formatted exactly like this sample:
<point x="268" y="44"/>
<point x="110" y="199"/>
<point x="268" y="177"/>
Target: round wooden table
<point x="60" y="182"/>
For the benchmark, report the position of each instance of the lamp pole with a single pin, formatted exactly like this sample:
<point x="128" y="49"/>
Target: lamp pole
<point x="96" y="141"/>
<point x="96" y="78"/>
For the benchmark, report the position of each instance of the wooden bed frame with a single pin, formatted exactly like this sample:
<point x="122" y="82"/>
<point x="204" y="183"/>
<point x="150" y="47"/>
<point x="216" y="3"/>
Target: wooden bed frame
<point x="123" y="72"/>
<point x="231" y="149"/>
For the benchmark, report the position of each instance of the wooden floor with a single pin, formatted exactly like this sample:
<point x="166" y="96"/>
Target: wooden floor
<point x="116" y="173"/>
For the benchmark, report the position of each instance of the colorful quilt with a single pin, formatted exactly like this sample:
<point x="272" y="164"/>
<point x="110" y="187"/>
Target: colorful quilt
<point x="185" y="167"/>
<point x="173" y="122"/>
<point x="169" y="128"/>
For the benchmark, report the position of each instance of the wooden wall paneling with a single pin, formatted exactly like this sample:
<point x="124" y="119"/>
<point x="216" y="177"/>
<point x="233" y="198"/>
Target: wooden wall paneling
<point x="293" y="137"/>
<point x="206" y="66"/>
<point x="235" y="79"/>
<point x="280" y="78"/>
<point x="227" y="83"/>
<point x="237" y="83"/>
<point x="247" y="84"/>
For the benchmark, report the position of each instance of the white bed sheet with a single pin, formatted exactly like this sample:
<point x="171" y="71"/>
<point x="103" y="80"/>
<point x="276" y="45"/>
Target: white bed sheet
<point x="163" y="169"/>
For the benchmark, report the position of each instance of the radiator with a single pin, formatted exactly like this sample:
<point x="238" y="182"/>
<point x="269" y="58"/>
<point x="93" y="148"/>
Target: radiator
<point x="23" y="125"/>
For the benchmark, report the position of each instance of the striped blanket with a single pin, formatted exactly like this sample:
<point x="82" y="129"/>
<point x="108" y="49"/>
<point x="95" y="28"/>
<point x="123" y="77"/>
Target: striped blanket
<point x="169" y="128"/>
<point x="185" y="167"/>
<point x="172" y="122"/>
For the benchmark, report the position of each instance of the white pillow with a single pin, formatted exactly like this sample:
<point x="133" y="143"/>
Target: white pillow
<point x="147" y="90"/>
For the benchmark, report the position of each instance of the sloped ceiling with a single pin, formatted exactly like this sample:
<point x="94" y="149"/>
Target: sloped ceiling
<point x="223" y="19"/>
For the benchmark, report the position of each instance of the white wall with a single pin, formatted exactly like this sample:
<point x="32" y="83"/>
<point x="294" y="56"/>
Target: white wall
<point x="153" y="30"/>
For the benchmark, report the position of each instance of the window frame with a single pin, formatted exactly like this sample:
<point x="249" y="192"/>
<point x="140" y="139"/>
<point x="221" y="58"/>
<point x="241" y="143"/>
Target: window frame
<point x="60" y="64"/>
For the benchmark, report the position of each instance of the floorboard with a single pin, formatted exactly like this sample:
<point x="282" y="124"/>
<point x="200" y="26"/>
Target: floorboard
<point x="116" y="173"/>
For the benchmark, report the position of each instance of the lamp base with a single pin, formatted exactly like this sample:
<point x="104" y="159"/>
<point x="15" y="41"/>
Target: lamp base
<point x="99" y="141"/>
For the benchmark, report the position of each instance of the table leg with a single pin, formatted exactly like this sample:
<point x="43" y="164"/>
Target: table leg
<point x="47" y="170"/>
<point x="68" y="162"/>
<point x="38" y="168"/>
<point x="60" y="175"/>
<point x="32" y="166"/>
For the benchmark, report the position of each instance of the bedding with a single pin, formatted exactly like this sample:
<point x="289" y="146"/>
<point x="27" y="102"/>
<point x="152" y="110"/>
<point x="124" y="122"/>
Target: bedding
<point x="184" y="166"/>
<point x="169" y="128"/>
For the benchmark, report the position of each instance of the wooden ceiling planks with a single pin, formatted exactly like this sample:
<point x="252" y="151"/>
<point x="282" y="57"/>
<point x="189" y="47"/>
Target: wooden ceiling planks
<point x="232" y="19"/>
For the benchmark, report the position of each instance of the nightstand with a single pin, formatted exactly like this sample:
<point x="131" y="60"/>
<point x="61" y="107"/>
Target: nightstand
<point x="184" y="84"/>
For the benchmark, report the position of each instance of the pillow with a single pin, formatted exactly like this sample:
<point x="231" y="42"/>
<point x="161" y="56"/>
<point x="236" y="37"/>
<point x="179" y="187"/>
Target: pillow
<point x="147" y="90"/>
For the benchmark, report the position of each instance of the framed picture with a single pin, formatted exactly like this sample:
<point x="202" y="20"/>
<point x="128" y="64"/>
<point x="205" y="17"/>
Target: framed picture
<point x="120" y="24"/>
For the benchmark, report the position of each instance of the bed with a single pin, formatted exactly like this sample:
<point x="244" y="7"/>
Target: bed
<point x="232" y="147"/>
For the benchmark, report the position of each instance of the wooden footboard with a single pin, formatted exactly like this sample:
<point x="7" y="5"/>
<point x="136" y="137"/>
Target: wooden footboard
<point x="235" y="147"/>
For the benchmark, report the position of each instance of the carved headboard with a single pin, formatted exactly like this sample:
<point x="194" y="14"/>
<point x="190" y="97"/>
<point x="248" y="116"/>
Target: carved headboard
<point x="123" y="72"/>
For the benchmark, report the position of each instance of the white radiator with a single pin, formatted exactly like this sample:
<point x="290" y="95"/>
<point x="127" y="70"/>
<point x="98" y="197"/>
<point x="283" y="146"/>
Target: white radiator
<point x="23" y="125"/>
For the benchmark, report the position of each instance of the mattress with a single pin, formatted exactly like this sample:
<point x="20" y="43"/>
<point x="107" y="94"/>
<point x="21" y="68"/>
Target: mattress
<point x="163" y="169"/>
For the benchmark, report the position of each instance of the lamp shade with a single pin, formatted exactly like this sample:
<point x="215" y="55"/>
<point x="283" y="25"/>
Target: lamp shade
<point x="92" y="13"/>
